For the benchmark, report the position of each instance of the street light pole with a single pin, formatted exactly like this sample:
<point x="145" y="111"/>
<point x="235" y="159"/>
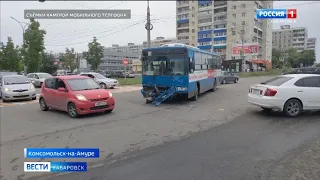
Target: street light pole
<point x="242" y="49"/>
<point x="212" y="24"/>
<point x="148" y="26"/>
<point x="23" y="40"/>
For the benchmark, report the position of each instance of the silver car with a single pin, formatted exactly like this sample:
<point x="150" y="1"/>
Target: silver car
<point x="102" y="80"/>
<point x="37" y="79"/>
<point x="16" y="87"/>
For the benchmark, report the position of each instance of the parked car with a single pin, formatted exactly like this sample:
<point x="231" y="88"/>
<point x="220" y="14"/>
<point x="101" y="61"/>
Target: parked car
<point x="76" y="95"/>
<point x="291" y="94"/>
<point x="228" y="77"/>
<point x="307" y="70"/>
<point x="37" y="79"/>
<point x="104" y="82"/>
<point x="16" y="87"/>
<point x="118" y="74"/>
<point x="4" y="73"/>
<point x="129" y="75"/>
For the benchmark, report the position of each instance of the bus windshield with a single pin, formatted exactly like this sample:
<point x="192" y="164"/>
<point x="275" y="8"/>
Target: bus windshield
<point x="168" y="63"/>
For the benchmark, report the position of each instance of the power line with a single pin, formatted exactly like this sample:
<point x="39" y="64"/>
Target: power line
<point x="89" y="30"/>
<point x="125" y="28"/>
<point x="105" y="31"/>
<point x="83" y="6"/>
<point x="113" y="26"/>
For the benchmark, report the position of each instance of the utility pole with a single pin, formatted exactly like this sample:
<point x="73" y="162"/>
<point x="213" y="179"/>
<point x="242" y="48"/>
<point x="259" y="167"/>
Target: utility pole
<point x="242" y="49"/>
<point x="148" y="26"/>
<point x="212" y="24"/>
<point x="23" y="41"/>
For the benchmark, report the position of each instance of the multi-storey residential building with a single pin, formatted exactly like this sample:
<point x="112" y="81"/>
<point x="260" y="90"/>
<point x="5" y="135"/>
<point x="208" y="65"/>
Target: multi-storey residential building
<point x="287" y="37"/>
<point x="137" y="48"/>
<point x="234" y="23"/>
<point x="311" y="43"/>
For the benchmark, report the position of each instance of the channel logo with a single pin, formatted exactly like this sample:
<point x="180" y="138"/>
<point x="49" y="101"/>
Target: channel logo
<point x="276" y="13"/>
<point x="55" y="166"/>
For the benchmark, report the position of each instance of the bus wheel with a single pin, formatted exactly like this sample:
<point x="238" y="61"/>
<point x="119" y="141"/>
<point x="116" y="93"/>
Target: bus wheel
<point x="214" y="86"/>
<point x="195" y="97"/>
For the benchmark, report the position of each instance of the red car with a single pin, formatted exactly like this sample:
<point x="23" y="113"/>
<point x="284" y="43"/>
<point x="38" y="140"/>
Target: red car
<point x="76" y="95"/>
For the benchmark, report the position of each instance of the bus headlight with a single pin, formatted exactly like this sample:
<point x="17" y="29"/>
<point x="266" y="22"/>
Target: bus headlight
<point x="182" y="88"/>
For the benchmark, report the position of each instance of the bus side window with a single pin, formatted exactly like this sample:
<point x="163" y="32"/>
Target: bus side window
<point x="197" y="60"/>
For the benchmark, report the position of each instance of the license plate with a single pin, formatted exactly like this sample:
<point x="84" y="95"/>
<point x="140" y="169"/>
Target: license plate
<point x="255" y="91"/>
<point x="100" y="103"/>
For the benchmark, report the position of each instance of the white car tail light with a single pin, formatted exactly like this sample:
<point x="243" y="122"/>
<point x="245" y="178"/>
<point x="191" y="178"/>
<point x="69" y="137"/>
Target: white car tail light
<point x="270" y="92"/>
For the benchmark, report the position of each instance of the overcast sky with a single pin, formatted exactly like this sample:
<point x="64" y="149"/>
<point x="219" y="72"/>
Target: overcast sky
<point x="77" y="33"/>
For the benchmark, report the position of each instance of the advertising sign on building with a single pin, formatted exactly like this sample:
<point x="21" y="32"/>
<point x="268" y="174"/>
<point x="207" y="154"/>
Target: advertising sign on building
<point x="247" y="49"/>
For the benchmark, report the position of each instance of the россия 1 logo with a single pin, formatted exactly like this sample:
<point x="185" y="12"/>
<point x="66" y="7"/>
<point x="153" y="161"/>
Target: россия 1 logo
<point x="278" y="15"/>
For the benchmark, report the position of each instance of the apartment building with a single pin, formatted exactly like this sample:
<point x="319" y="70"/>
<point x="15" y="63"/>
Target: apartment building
<point x="287" y="37"/>
<point x="137" y="48"/>
<point x="311" y="43"/>
<point x="234" y="23"/>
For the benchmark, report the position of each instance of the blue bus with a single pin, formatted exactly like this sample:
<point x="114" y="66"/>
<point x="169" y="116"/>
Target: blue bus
<point x="178" y="70"/>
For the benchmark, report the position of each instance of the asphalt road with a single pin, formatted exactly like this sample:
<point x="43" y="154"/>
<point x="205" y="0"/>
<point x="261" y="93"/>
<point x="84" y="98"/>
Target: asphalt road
<point x="231" y="127"/>
<point x="254" y="146"/>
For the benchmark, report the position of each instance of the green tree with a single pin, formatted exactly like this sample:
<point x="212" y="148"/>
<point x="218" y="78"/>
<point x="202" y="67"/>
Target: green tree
<point x="1" y="56"/>
<point x="276" y="54"/>
<point x="34" y="46"/>
<point x="10" y="56"/>
<point x="48" y="64"/>
<point x="94" y="54"/>
<point x="69" y="59"/>
<point x="307" y="57"/>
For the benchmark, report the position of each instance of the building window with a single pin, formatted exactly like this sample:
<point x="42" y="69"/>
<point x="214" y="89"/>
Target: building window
<point x="234" y="7"/>
<point x="234" y="15"/>
<point x="193" y="31"/>
<point x="243" y="5"/>
<point x="233" y="33"/>
<point x="243" y="14"/>
<point x="243" y="23"/>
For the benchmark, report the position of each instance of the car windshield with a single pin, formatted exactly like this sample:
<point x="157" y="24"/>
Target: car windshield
<point x="43" y="76"/>
<point x="82" y="84"/>
<point x="16" y="80"/>
<point x="165" y="62"/>
<point x="99" y="76"/>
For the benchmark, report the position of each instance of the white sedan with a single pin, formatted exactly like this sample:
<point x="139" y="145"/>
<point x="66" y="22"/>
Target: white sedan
<point x="291" y="94"/>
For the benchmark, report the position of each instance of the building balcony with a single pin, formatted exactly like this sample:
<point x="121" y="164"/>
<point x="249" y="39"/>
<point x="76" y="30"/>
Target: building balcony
<point x="205" y="8"/>
<point x="183" y="41"/>
<point x="205" y="24"/>
<point x="182" y="28"/>
<point x="183" y="34"/>
<point x="181" y="21"/>
<point x="204" y="16"/>
<point x="181" y="5"/>
<point x="182" y="12"/>
<point x="219" y="4"/>
<point x="200" y="2"/>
